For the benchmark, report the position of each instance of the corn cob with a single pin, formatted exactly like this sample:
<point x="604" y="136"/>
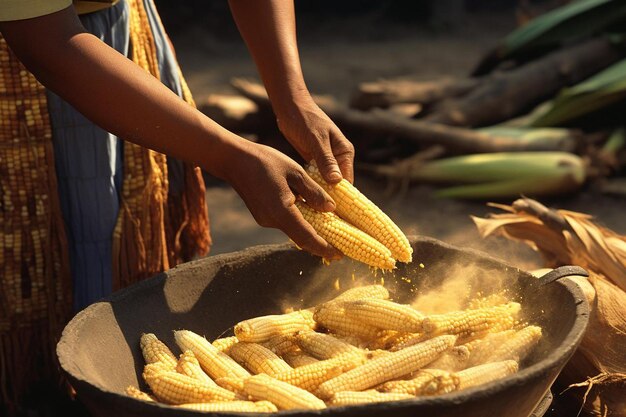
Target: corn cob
<point x="384" y="339"/>
<point x="491" y="300"/>
<point x="261" y="329"/>
<point x="285" y="396"/>
<point x="155" y="351"/>
<point x="454" y="359"/>
<point x="333" y="317"/>
<point x="481" y="349"/>
<point x="258" y="359"/>
<point x="424" y="382"/>
<point x="406" y="340"/>
<point x="309" y="377"/>
<point x="242" y="406"/>
<point x="366" y="291"/>
<point x="138" y="394"/>
<point x="471" y="322"/>
<point x="232" y="384"/>
<point x="519" y="346"/>
<point x="175" y="388"/>
<point x="488" y="372"/>
<point x="365" y="397"/>
<point x="385" y="314"/>
<point x="282" y="345"/>
<point x="299" y="359"/>
<point x="324" y="346"/>
<point x="188" y="365"/>
<point x="351" y="241"/>
<point x="385" y="368"/>
<point x="214" y="362"/>
<point x="225" y="343"/>
<point x="358" y="210"/>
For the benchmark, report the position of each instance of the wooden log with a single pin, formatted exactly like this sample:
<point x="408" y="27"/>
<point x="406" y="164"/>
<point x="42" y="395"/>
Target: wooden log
<point x="511" y="93"/>
<point x="383" y="124"/>
<point x="387" y="93"/>
<point x="237" y="114"/>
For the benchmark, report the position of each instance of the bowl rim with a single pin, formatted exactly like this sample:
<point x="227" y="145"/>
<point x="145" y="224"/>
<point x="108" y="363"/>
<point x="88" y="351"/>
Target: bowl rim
<point x="566" y="348"/>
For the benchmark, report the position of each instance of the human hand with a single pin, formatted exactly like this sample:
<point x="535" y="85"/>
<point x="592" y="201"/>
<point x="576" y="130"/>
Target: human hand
<point x="317" y="138"/>
<point x="269" y="183"/>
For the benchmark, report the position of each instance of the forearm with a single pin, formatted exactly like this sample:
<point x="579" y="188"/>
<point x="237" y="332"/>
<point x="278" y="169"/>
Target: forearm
<point x="116" y="94"/>
<point x="269" y="29"/>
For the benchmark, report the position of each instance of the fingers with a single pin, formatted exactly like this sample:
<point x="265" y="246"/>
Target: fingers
<point x="315" y="196"/>
<point x="303" y="235"/>
<point x="326" y="162"/>
<point x="344" y="153"/>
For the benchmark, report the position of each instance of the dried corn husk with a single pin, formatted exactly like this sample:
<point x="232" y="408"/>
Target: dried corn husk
<point x="564" y="237"/>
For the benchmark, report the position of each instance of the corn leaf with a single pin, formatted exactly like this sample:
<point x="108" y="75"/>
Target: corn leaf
<point x="602" y="90"/>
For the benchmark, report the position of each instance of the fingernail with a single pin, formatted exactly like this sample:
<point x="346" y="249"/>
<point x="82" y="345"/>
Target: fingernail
<point x="329" y="206"/>
<point x="334" y="176"/>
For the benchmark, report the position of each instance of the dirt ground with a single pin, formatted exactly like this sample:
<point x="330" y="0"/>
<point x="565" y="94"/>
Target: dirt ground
<point x="335" y="57"/>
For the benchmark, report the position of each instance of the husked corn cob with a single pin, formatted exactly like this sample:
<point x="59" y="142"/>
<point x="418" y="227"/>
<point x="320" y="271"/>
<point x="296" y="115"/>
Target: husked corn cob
<point x="333" y="317"/>
<point x="285" y="396"/>
<point x="215" y="363"/>
<point x="488" y="372"/>
<point x="365" y="397"/>
<point x="225" y="343"/>
<point x="481" y="349"/>
<point x="138" y="394"/>
<point x="385" y="314"/>
<point x="188" y="365"/>
<point x="470" y="322"/>
<point x="387" y="367"/>
<point x="454" y="359"/>
<point x="282" y="345"/>
<point x="258" y="359"/>
<point x="358" y="210"/>
<point x="406" y="340"/>
<point x="424" y="382"/>
<point x="384" y="339"/>
<point x="366" y="291"/>
<point x="243" y="406"/>
<point x="324" y="346"/>
<point x="309" y="377"/>
<point x="155" y="351"/>
<point x="261" y="329"/>
<point x="351" y="241"/>
<point x="299" y="359"/>
<point x="232" y="384"/>
<point x="518" y="346"/>
<point x="175" y="388"/>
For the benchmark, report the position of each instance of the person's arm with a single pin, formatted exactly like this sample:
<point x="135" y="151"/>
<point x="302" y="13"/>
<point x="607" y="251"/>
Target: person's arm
<point x="269" y="29"/>
<point x="116" y="94"/>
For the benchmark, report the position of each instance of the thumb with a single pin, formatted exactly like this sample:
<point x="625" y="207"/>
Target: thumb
<point x="311" y="191"/>
<point x="327" y="165"/>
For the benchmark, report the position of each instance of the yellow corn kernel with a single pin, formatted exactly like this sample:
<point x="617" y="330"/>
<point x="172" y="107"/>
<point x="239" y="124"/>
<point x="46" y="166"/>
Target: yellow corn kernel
<point x="258" y="359"/>
<point x="385" y="314"/>
<point x="358" y="210"/>
<point x="261" y="329"/>
<point x="309" y="377"/>
<point x="154" y="351"/>
<point x="488" y="372"/>
<point x="518" y="346"/>
<point x="351" y="241"/>
<point x="232" y="384"/>
<point x="225" y="343"/>
<point x="468" y="323"/>
<point x="365" y="397"/>
<point x="387" y="367"/>
<point x="282" y="345"/>
<point x="174" y="388"/>
<point x="242" y="406"/>
<point x="324" y="346"/>
<point x="188" y="365"/>
<point x="333" y="317"/>
<point x="285" y="396"/>
<point x="299" y="359"/>
<point x="366" y="291"/>
<point x="491" y="300"/>
<point x="215" y="363"/>
<point x="407" y="339"/>
<point x="424" y="382"/>
<point x="481" y="349"/>
<point x="138" y="394"/>
<point x="453" y="360"/>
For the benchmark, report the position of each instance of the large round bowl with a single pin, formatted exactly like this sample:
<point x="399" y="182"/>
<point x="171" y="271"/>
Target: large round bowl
<point x="99" y="350"/>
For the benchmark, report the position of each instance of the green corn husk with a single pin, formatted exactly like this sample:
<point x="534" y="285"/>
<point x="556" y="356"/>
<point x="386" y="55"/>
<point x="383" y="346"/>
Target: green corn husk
<point x="599" y="92"/>
<point x="561" y="138"/>
<point x="576" y="20"/>
<point x="498" y="175"/>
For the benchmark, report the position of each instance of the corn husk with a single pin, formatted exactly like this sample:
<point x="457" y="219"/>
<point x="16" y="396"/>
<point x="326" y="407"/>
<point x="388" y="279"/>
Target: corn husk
<point x="598" y="369"/>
